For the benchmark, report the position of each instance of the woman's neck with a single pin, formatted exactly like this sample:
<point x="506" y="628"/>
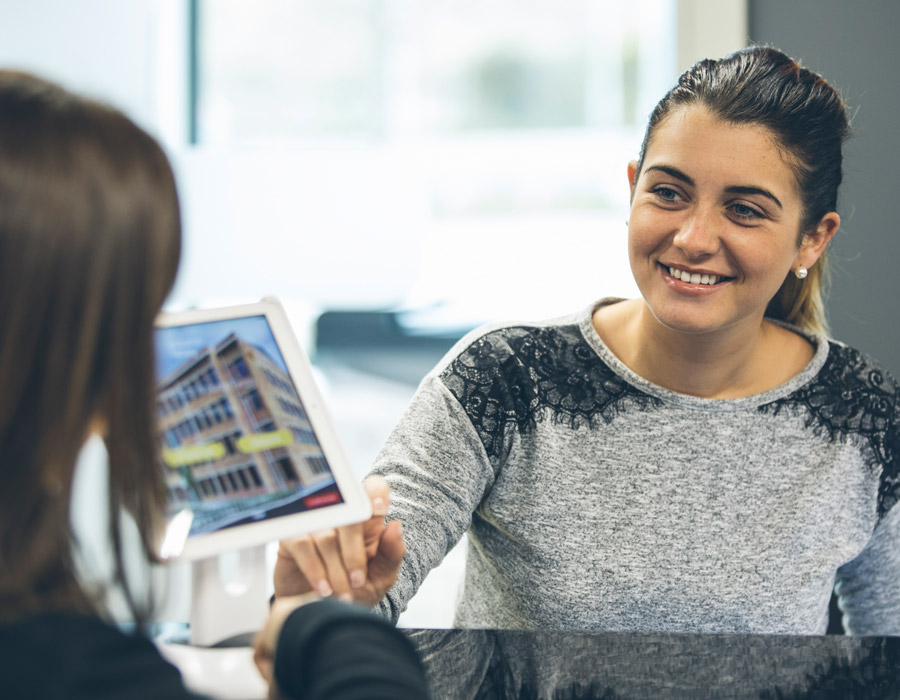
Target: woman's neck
<point x="728" y="363"/>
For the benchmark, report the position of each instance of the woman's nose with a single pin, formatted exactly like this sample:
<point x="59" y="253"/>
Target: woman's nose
<point x="698" y="235"/>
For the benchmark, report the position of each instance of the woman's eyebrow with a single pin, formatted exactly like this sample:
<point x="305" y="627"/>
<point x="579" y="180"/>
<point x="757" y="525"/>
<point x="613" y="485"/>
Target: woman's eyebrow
<point x="674" y="172"/>
<point x="734" y="189"/>
<point x="738" y="189"/>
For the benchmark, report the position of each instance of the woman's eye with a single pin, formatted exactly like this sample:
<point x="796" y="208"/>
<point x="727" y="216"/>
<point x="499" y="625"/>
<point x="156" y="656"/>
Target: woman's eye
<point x="742" y="211"/>
<point x="666" y="194"/>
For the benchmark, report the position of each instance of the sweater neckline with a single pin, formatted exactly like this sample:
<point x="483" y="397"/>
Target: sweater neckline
<point x="807" y="374"/>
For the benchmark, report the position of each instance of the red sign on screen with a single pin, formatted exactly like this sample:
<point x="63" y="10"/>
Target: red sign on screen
<point x="322" y="499"/>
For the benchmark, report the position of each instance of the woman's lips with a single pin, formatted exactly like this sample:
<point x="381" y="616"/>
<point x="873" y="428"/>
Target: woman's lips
<point x="703" y="278"/>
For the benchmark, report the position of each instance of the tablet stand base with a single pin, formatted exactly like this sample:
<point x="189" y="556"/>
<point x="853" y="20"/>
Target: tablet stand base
<point x="224" y="606"/>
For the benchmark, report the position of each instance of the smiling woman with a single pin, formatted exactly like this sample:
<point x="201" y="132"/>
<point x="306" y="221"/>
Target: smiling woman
<point x="715" y="228"/>
<point x="807" y="124"/>
<point x="702" y="458"/>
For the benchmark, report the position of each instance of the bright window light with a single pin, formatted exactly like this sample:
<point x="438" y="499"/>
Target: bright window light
<point x="467" y="158"/>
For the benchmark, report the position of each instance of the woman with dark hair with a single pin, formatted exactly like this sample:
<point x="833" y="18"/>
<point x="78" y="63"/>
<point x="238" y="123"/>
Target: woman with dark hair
<point x="700" y="459"/>
<point x="90" y="241"/>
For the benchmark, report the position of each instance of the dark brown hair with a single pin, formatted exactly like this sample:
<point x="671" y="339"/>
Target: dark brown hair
<point x="808" y="119"/>
<point x="90" y="239"/>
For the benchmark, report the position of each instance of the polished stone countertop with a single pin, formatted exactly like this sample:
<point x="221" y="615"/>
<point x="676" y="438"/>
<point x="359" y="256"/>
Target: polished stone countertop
<point x="519" y="665"/>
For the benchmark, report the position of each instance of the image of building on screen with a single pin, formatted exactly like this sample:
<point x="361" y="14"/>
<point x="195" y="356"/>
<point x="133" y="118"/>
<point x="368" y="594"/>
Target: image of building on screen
<point x="232" y="428"/>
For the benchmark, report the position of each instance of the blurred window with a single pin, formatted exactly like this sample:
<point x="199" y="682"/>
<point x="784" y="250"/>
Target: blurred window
<point x="287" y="71"/>
<point x="464" y="156"/>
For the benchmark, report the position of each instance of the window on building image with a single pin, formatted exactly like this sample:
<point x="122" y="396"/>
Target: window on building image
<point x="465" y="159"/>
<point x="254" y="400"/>
<point x="229" y="444"/>
<point x="239" y="369"/>
<point x="317" y="465"/>
<point x="287" y="469"/>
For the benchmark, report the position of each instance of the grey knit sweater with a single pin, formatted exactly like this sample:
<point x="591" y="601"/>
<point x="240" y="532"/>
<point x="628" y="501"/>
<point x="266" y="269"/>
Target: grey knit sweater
<point x="594" y="499"/>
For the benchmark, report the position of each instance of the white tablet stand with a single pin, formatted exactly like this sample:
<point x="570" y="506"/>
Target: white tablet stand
<point x="226" y="605"/>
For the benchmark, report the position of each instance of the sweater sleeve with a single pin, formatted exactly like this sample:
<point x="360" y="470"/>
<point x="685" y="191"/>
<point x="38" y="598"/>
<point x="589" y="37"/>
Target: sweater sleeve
<point x="868" y="587"/>
<point x="439" y="472"/>
<point x="337" y="651"/>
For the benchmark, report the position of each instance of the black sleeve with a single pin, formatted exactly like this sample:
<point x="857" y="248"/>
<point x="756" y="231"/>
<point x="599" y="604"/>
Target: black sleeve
<point x="58" y="656"/>
<point x="338" y="651"/>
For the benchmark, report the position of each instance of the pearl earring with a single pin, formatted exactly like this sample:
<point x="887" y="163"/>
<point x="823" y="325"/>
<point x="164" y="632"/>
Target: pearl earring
<point x="801" y="273"/>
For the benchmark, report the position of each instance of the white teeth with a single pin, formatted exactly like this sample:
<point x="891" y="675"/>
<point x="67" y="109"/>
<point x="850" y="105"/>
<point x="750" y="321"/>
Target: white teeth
<point x="695" y="278"/>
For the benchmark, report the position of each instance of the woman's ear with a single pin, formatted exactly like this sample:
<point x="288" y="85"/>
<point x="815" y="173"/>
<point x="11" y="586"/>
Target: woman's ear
<point x="813" y="243"/>
<point x="632" y="177"/>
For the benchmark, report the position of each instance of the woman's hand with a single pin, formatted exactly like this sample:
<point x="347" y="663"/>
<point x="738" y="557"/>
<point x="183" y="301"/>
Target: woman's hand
<point x="356" y="562"/>
<point x="267" y="640"/>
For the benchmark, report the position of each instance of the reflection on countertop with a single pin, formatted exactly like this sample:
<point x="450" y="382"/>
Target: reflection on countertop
<point x="520" y="665"/>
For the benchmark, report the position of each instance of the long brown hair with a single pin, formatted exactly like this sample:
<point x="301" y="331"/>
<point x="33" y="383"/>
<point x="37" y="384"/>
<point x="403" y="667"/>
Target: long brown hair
<point x="808" y="118"/>
<point x="90" y="239"/>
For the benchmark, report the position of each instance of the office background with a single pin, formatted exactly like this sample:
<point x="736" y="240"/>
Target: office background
<point x="350" y="231"/>
<point x="854" y="45"/>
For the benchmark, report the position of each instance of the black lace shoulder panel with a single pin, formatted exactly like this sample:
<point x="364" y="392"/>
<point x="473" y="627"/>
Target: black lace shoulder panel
<point x="521" y="375"/>
<point x="852" y="395"/>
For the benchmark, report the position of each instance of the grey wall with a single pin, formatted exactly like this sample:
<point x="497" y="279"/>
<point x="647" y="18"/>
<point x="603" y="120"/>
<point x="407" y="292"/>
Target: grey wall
<point x="854" y="44"/>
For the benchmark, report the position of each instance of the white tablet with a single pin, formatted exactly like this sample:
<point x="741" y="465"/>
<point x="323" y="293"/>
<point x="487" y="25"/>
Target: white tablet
<point x="248" y="450"/>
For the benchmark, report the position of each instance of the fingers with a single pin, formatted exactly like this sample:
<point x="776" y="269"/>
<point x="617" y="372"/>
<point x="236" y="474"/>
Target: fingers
<point x="288" y="578"/>
<point x="336" y="562"/>
<point x="379" y="492"/>
<point x="304" y="555"/>
<point x="327" y="546"/>
<point x="385" y="565"/>
<point x="352" y="550"/>
<point x="332" y="561"/>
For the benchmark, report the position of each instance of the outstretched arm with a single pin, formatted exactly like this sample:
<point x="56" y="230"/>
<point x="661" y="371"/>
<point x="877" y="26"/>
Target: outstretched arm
<point x="429" y="478"/>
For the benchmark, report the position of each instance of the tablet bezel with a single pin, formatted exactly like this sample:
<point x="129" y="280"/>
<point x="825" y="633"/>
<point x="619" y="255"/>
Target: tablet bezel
<point x="356" y="506"/>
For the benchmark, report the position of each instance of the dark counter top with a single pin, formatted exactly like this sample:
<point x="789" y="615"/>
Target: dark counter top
<point x="519" y="665"/>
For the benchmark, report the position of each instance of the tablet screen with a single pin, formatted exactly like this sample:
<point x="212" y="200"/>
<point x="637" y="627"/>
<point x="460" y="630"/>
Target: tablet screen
<point x="237" y="444"/>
